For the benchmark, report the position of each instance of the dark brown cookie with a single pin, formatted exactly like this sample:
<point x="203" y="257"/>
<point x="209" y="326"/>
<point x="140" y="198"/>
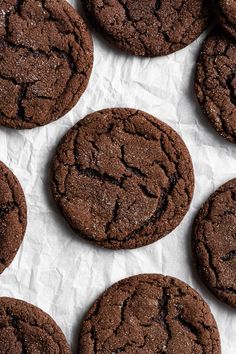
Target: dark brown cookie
<point x="215" y="83"/>
<point x="25" y="328"/>
<point x="122" y="178"/>
<point x="46" y="58"/>
<point x="226" y="15"/>
<point x="149" y="27"/>
<point x="13" y="216"/>
<point x="214" y="243"/>
<point x="151" y="314"/>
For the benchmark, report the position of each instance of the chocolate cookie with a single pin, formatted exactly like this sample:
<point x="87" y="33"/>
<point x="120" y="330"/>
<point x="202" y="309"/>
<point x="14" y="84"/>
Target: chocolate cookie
<point x="215" y="83"/>
<point x="226" y="14"/>
<point x="149" y="313"/>
<point x="149" y="27"/>
<point x="13" y="216"/>
<point x="25" y="328"/>
<point x="214" y="243"/>
<point x="122" y="178"/>
<point x="46" y="58"/>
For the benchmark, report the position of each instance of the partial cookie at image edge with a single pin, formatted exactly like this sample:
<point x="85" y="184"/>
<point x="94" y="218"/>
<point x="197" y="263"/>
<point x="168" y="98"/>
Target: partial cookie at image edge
<point x="214" y="245"/>
<point x="13" y="216"/>
<point x="149" y="29"/>
<point x="215" y="83"/>
<point x="26" y="328"/>
<point x="149" y="313"/>
<point x="46" y="61"/>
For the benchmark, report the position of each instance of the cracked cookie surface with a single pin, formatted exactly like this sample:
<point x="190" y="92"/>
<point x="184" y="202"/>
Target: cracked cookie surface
<point x="214" y="243"/>
<point x="46" y="58"/>
<point x="25" y="328"/>
<point x="149" y="313"/>
<point x="149" y="27"/>
<point x="215" y="83"/>
<point x="13" y="216"/>
<point x="225" y="11"/>
<point x="122" y="178"/>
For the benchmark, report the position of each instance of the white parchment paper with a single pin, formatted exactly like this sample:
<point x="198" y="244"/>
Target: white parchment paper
<point x="59" y="272"/>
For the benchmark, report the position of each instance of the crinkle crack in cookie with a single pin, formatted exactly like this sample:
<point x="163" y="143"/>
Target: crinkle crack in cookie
<point x="150" y="314"/>
<point x="214" y="243"/>
<point x="226" y="14"/>
<point x="25" y="328"/>
<point x="215" y="83"/>
<point x="13" y="216"/>
<point x="122" y="178"/>
<point x="149" y="27"/>
<point x="46" y="58"/>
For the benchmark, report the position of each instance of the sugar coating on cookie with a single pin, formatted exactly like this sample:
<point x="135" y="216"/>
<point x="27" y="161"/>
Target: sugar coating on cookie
<point x="27" y="329"/>
<point x="13" y="216"/>
<point x="149" y="27"/>
<point x="46" y="58"/>
<point x="122" y="178"/>
<point x="149" y="313"/>
<point x="215" y="83"/>
<point x="214" y="243"/>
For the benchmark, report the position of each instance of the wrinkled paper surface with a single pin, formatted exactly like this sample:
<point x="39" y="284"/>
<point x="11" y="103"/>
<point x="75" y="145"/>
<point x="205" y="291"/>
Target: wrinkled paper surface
<point x="59" y="272"/>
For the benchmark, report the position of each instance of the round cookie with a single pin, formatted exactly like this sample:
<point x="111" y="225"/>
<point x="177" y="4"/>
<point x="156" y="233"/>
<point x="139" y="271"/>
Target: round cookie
<point x="149" y="27"/>
<point x="214" y="243"/>
<point x="149" y="313"/>
<point x="46" y="57"/>
<point x="225" y="11"/>
<point x="13" y="216"/>
<point x="27" y="329"/>
<point x="122" y="178"/>
<point x="215" y="83"/>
